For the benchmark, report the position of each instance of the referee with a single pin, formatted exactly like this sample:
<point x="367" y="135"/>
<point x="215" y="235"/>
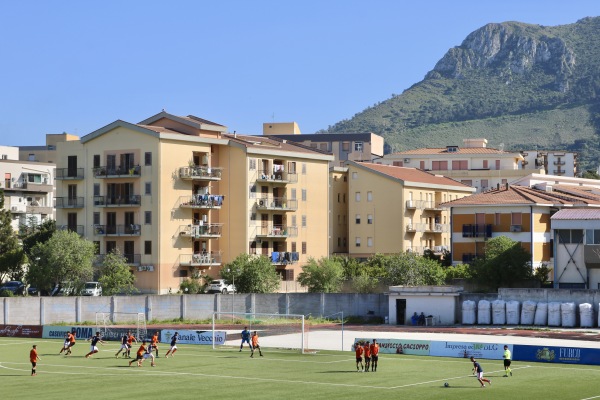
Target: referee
<point x="507" y="360"/>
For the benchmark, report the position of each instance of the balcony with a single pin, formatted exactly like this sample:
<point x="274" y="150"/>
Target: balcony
<point x="118" y="230"/>
<point x="416" y="249"/>
<point x="130" y="259"/>
<point x="269" y="203"/>
<point x="200" y="173"/>
<point x="431" y="205"/>
<point x="275" y="231"/>
<point x="438" y="228"/>
<point x="78" y="229"/>
<point x="66" y="202"/>
<point x="201" y="201"/>
<point x="280" y="177"/>
<point x="415" y="227"/>
<point x="104" y="172"/>
<point x="411" y="204"/>
<point x="200" y="259"/>
<point x="559" y="171"/>
<point x="477" y="230"/>
<point x="284" y="258"/>
<point x="69" y="173"/>
<point x="33" y="208"/>
<point x="30" y="187"/>
<point x="200" y="231"/>
<point x="559" y="162"/>
<point x="134" y="200"/>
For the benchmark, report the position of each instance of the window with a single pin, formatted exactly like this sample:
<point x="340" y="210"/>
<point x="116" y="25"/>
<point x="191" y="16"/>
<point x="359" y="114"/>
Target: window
<point x="252" y="164"/>
<point x="148" y="188"/>
<point x="96" y="218"/>
<point x="369" y="196"/>
<point x="148" y="247"/>
<point x="485" y="164"/>
<point x="294" y="220"/>
<point x="460" y="164"/>
<point x="324" y="146"/>
<point x="369" y="219"/>
<point x="31" y="157"/>
<point x="466" y="182"/>
<point x="439" y="165"/>
<point x="358" y="146"/>
<point x="338" y="196"/>
<point x="304" y="221"/>
<point x="567" y="236"/>
<point x="294" y="247"/>
<point x="147" y="217"/>
<point x="504" y="182"/>
<point x="358" y="218"/>
<point x="292" y="167"/>
<point x="497" y="219"/>
<point x="303" y="247"/>
<point x="148" y="158"/>
<point x="303" y="194"/>
<point x="369" y="242"/>
<point x="421" y="164"/>
<point x="96" y="189"/>
<point x="96" y="160"/>
<point x="355" y="175"/>
<point x="303" y="168"/>
<point x="357" y="242"/>
<point x="397" y="163"/>
<point x="34" y="178"/>
<point x="497" y="164"/>
<point x="357" y="196"/>
<point x="484" y="183"/>
<point x="592" y="236"/>
<point x="339" y="241"/>
<point x="516" y="218"/>
<point x="345" y="146"/>
<point x="293" y="194"/>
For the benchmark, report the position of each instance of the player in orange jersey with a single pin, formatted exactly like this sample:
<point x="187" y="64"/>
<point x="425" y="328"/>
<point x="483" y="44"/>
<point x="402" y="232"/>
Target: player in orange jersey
<point x="139" y="355"/>
<point x="367" y="352"/>
<point x="255" y="345"/>
<point x="33" y="357"/>
<point x="359" y="352"/>
<point x="154" y="342"/>
<point x="71" y="342"/>
<point x="374" y="347"/>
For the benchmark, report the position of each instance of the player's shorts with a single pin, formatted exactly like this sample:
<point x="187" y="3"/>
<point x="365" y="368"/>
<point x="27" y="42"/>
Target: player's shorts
<point x="129" y="345"/>
<point x="367" y="359"/>
<point x="507" y="363"/>
<point x="138" y="357"/>
<point x="148" y="355"/>
<point x="375" y="358"/>
<point x="33" y="364"/>
<point x="93" y="348"/>
<point x="124" y="346"/>
<point x="358" y="359"/>
<point x="174" y="347"/>
<point x="71" y="344"/>
<point x="480" y="375"/>
<point x="245" y="341"/>
<point x="66" y="345"/>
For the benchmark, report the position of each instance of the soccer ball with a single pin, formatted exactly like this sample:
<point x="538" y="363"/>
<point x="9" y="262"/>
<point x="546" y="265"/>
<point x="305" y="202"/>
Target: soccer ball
<point x="446" y="384"/>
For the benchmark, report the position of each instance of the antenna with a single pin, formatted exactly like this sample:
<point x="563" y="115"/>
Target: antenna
<point x="273" y="117"/>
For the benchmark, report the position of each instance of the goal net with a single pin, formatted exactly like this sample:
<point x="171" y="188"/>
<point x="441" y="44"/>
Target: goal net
<point x="113" y="325"/>
<point x="284" y="331"/>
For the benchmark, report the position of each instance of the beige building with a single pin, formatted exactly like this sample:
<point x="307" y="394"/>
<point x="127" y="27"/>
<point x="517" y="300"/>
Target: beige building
<point x="178" y="195"/>
<point x="45" y="153"/>
<point x="473" y="164"/>
<point x="394" y="209"/>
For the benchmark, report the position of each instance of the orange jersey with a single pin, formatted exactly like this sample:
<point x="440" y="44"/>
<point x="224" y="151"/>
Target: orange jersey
<point x="254" y="340"/>
<point x="71" y="337"/>
<point x="154" y="339"/>
<point x="359" y="351"/>
<point x="141" y="351"/>
<point x="374" y="349"/>
<point x="33" y="355"/>
<point x="130" y="339"/>
<point x="367" y="350"/>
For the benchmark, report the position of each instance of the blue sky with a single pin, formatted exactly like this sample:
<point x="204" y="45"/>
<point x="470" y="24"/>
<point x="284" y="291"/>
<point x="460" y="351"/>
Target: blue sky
<point x="75" y="66"/>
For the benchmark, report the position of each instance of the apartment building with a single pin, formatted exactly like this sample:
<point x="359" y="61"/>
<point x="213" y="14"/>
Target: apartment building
<point x="395" y="209"/>
<point x="28" y="189"/>
<point x="45" y="153"/>
<point x="560" y="163"/>
<point x="343" y="146"/>
<point x="473" y="164"/>
<point x="179" y="196"/>
<point x="521" y="213"/>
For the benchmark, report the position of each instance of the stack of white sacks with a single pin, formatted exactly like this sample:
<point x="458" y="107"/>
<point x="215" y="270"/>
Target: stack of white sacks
<point x="500" y="312"/>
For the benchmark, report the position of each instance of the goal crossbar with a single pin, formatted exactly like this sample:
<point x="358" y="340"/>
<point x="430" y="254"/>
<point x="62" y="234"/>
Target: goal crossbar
<point x="109" y="324"/>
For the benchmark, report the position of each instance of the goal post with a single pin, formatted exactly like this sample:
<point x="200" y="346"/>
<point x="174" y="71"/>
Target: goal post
<point x="110" y="324"/>
<point x="284" y="331"/>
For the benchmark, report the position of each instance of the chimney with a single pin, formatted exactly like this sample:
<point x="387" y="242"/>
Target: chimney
<point x="506" y="188"/>
<point x="497" y="186"/>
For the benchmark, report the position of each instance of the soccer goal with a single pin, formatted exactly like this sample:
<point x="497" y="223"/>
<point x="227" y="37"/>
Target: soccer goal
<point x="111" y="325"/>
<point x="284" y="331"/>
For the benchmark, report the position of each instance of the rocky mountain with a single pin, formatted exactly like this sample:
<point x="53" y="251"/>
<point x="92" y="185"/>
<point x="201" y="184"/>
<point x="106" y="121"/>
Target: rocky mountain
<point x="525" y="86"/>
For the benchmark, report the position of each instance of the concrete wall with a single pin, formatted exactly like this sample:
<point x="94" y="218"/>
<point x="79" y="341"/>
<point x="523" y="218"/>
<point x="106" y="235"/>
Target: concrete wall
<point x="51" y="310"/>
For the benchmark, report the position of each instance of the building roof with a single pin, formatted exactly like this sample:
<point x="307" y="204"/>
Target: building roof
<point x="519" y="195"/>
<point x="413" y="175"/>
<point x="459" y="150"/>
<point x="577" y="213"/>
<point x="273" y="143"/>
<point x="328" y="137"/>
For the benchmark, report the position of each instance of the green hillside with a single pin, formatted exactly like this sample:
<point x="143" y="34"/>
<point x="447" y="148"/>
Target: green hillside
<point x="525" y="86"/>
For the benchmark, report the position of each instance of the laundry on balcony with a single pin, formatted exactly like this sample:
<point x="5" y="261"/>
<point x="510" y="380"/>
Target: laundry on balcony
<point x="208" y="200"/>
<point x="287" y="257"/>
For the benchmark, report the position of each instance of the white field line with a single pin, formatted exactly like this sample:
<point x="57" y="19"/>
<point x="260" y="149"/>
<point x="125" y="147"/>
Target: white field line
<point x="590" y="398"/>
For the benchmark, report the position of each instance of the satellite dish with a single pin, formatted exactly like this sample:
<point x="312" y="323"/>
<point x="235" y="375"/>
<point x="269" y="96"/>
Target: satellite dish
<point x="501" y="147"/>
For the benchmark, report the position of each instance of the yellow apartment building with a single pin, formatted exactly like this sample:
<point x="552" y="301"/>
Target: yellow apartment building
<point x="521" y="213"/>
<point x="179" y="195"/>
<point x="395" y="209"/>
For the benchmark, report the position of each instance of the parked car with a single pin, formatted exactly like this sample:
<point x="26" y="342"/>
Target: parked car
<point x="15" y="287"/>
<point x="220" y="286"/>
<point x="92" y="289"/>
<point x="63" y="289"/>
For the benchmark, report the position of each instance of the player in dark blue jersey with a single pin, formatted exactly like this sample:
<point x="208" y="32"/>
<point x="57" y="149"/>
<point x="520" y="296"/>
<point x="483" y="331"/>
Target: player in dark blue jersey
<point x="479" y="371"/>
<point x="245" y="338"/>
<point x="93" y="347"/>
<point x="124" y="345"/>
<point x="173" y="348"/>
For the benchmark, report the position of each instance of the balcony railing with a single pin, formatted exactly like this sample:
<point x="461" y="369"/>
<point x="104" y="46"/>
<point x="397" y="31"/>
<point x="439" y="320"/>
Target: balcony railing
<point x="118" y="230"/>
<point x="69" y="173"/>
<point x="284" y="257"/>
<point x="128" y="201"/>
<point x="201" y="201"/>
<point x="418" y="227"/>
<point x="30" y="186"/>
<point x="38" y="210"/>
<point x="559" y="163"/>
<point x="130" y="259"/>
<point x="416" y="249"/>
<point x="72" y="228"/>
<point x="276" y="176"/>
<point x="67" y="202"/>
<point x="201" y="231"/>
<point x="276" y="203"/>
<point x="438" y="228"/>
<point x="276" y="231"/>
<point x="200" y="259"/>
<point x="559" y="171"/>
<point x="201" y="173"/>
<point x="117" y="172"/>
<point x="477" y="230"/>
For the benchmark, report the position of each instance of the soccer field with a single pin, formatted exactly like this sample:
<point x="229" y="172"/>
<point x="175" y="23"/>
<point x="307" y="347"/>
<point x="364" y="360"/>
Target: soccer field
<point x="199" y="371"/>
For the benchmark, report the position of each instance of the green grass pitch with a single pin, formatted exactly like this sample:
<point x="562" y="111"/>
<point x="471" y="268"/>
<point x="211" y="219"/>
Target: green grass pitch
<point x="200" y="372"/>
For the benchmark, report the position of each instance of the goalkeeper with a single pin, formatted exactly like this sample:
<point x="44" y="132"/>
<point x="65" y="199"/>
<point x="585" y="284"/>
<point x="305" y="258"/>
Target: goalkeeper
<point x="245" y="338"/>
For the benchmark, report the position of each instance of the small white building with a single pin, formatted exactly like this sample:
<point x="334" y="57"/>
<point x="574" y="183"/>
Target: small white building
<point x="439" y="302"/>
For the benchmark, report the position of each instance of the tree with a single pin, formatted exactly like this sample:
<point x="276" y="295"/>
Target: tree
<point x="590" y="174"/>
<point x="115" y="276"/>
<point x="252" y="274"/>
<point x="411" y="269"/>
<point x="323" y="276"/>
<point x="40" y="234"/>
<point x="64" y="258"/>
<point x="11" y="254"/>
<point x="504" y="262"/>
